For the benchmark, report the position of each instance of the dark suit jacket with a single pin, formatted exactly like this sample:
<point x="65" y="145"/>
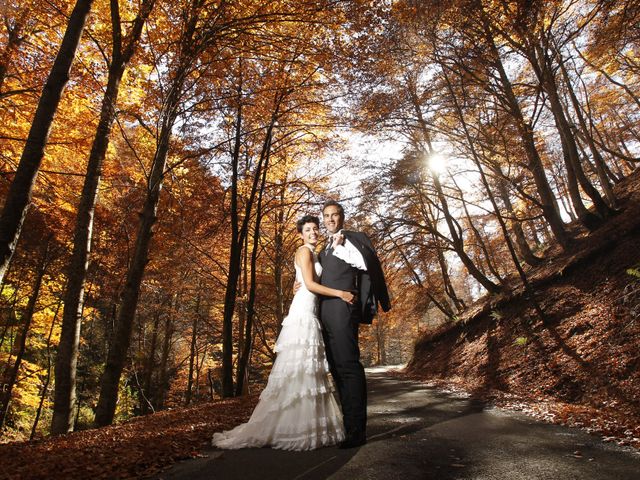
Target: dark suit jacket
<point x="372" y="288"/>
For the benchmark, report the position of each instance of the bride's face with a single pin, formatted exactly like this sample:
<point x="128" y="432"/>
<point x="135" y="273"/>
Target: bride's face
<point x="310" y="233"/>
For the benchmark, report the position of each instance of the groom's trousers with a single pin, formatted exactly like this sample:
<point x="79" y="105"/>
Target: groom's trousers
<point x="340" y="331"/>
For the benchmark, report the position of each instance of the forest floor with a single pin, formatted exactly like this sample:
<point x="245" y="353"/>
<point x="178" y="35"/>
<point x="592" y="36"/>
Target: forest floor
<point x="137" y="448"/>
<point x="579" y="364"/>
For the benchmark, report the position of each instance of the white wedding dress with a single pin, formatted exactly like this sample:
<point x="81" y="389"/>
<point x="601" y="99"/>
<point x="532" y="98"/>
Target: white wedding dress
<point x="297" y="409"/>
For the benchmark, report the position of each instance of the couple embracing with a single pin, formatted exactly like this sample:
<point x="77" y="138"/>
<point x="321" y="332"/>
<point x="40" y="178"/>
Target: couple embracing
<point x="337" y="289"/>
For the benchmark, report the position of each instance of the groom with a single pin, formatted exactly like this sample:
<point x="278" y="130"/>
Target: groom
<point x="349" y="262"/>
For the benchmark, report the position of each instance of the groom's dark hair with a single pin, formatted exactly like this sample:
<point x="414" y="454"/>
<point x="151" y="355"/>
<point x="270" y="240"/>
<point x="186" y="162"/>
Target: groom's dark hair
<point x="333" y="203"/>
<point x="307" y="219"/>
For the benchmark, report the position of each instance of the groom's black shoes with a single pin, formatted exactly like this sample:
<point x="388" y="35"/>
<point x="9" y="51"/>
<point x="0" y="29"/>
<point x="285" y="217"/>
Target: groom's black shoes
<point x="353" y="441"/>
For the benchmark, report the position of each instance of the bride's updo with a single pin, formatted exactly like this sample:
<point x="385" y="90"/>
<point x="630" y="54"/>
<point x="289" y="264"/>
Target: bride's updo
<point x="307" y="219"/>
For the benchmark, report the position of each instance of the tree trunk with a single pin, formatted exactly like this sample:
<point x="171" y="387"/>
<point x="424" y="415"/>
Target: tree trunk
<point x="28" y="317"/>
<point x="524" y="250"/>
<point x="488" y="256"/>
<point x="188" y="52"/>
<point x="239" y="233"/>
<point x="458" y="243"/>
<point x="241" y="309"/>
<point x="588" y="219"/>
<point x="547" y="198"/>
<point x="440" y="305"/>
<point x="9" y="323"/>
<point x="575" y="173"/>
<point x="476" y="159"/>
<point x="563" y="192"/>
<point x="245" y="354"/>
<point x="65" y="388"/>
<point x="147" y="393"/>
<point x="124" y="323"/>
<point x="47" y="379"/>
<point x="597" y="158"/>
<point x="279" y="259"/>
<point x="193" y="350"/>
<point x="163" y="380"/>
<point x="446" y="279"/>
<point x="21" y="189"/>
<point x="235" y="254"/>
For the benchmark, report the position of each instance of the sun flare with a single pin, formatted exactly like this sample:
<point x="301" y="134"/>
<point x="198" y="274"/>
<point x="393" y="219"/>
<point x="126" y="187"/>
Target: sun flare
<point x="437" y="163"/>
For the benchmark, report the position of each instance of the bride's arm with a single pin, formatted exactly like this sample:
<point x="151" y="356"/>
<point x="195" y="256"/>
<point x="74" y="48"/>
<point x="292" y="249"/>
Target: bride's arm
<point x="304" y="259"/>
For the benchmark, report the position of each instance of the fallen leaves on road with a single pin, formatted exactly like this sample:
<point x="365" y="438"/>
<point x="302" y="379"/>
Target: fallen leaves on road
<point x="610" y="422"/>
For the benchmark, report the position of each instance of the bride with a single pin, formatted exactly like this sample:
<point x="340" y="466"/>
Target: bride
<point x="297" y="409"/>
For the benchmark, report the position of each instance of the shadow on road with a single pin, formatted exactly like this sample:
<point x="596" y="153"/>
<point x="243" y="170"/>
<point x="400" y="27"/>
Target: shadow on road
<point x="418" y="432"/>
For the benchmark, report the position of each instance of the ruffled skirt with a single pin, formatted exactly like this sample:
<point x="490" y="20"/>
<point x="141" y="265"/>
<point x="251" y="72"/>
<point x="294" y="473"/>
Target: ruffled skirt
<point x="297" y="409"/>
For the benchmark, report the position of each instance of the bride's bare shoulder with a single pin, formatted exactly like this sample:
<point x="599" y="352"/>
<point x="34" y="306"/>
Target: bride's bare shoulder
<point x="303" y="254"/>
<point x="303" y="251"/>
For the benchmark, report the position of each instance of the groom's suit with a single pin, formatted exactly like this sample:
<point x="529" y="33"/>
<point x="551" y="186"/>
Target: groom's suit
<point x="340" y="323"/>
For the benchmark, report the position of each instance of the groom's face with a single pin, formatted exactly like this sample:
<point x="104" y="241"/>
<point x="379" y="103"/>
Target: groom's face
<point x="332" y="218"/>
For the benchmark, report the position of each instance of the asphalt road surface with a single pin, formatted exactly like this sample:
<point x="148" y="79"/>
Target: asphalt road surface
<point x="419" y="432"/>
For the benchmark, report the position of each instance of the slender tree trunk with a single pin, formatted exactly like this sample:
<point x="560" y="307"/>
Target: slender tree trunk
<point x="163" y="381"/>
<point x="47" y="380"/>
<point x="476" y="159"/>
<point x="21" y="189"/>
<point x="547" y="198"/>
<point x="486" y="254"/>
<point x="440" y="305"/>
<point x="245" y="354"/>
<point x="199" y="365"/>
<point x="524" y="250"/>
<point x="458" y="243"/>
<point x="585" y="217"/>
<point x="65" y="394"/>
<point x="10" y="322"/>
<point x="193" y="350"/>
<point x="241" y="308"/>
<point x="563" y="191"/>
<point x="235" y="254"/>
<point x="147" y="393"/>
<point x="446" y="278"/>
<point x="210" y="381"/>
<point x="571" y="156"/>
<point x="279" y="259"/>
<point x="239" y="234"/>
<point x="118" y="351"/>
<point x="533" y="232"/>
<point x="599" y="162"/>
<point x="28" y="317"/>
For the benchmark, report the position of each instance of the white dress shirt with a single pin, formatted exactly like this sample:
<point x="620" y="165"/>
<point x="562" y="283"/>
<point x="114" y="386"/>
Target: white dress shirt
<point x="347" y="252"/>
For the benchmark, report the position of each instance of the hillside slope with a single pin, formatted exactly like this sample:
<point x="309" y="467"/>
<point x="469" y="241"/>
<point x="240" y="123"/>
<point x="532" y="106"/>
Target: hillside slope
<point x="579" y="364"/>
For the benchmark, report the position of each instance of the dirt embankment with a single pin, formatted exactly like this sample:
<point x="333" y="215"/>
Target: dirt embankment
<point x="579" y="362"/>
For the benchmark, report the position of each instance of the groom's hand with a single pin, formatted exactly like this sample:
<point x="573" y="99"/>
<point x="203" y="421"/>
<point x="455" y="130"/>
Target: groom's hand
<point x="337" y="239"/>
<point x="296" y="286"/>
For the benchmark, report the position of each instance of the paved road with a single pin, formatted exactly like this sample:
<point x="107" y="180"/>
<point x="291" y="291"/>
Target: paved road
<point x="418" y="432"/>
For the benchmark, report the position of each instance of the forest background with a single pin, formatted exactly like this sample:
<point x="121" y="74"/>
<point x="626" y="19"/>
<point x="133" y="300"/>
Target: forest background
<point x="155" y="154"/>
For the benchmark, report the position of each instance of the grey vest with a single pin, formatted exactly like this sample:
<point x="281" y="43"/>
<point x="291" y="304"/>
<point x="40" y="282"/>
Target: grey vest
<point x="336" y="273"/>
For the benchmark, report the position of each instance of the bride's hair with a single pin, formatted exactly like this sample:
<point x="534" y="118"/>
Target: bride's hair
<point x="307" y="219"/>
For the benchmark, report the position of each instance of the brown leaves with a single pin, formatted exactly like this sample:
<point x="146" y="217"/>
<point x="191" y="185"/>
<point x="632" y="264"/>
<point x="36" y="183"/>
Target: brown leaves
<point x="135" y="449"/>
